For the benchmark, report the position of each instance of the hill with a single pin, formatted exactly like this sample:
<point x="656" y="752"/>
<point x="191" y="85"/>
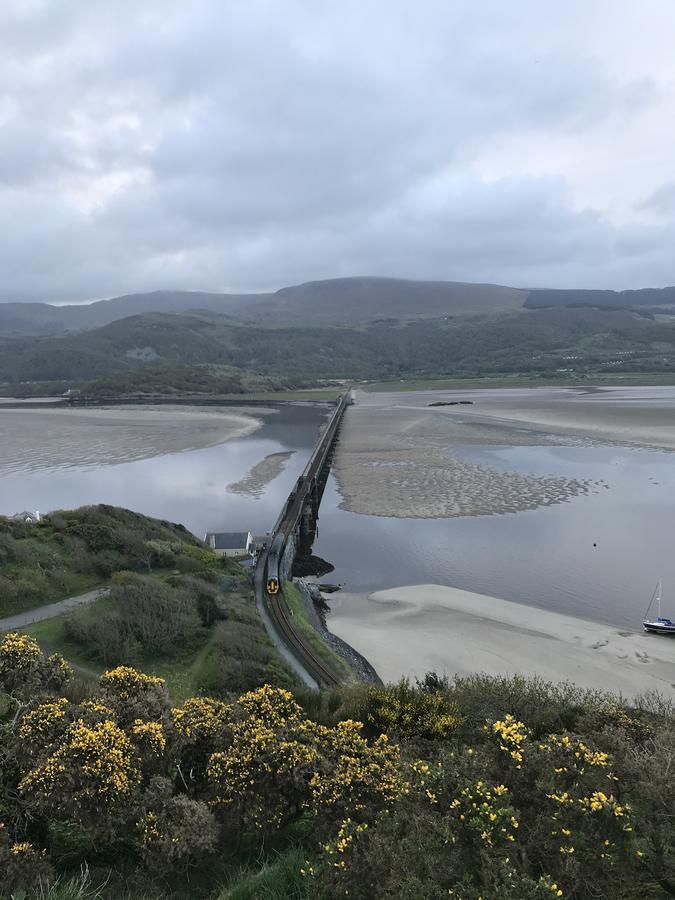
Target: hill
<point x="338" y="301"/>
<point x="542" y="341"/>
<point x="44" y="319"/>
<point x="618" y="299"/>
<point x="349" y="301"/>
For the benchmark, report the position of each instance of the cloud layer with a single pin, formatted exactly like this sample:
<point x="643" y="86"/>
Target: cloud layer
<point x="230" y="146"/>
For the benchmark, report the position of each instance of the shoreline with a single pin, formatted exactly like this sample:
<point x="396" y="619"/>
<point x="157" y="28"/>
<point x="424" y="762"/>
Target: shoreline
<point x="408" y="631"/>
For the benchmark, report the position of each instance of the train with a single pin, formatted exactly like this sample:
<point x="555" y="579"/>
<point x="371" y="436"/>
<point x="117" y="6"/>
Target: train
<point x="274" y="558"/>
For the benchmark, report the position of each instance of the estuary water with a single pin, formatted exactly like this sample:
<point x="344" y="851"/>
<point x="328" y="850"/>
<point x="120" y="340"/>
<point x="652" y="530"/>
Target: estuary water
<point x="596" y="553"/>
<point x="153" y="461"/>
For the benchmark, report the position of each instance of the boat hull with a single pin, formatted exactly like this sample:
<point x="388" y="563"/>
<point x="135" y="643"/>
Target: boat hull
<point x="659" y="628"/>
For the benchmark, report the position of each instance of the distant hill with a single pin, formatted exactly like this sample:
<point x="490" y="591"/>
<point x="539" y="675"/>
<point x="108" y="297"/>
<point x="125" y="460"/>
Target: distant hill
<point x="524" y="341"/>
<point x="348" y="301"/>
<point x="335" y="302"/>
<point x="620" y="299"/>
<point x="42" y="318"/>
<point x="344" y="301"/>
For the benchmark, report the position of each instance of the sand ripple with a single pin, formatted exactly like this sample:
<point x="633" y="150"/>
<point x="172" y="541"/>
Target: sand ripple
<point x="35" y="439"/>
<point x="400" y="463"/>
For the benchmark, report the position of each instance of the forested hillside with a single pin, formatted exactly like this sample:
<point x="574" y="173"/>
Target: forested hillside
<point x="541" y="341"/>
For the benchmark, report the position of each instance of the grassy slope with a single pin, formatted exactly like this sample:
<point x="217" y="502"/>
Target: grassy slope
<point x="63" y="556"/>
<point x="301" y="621"/>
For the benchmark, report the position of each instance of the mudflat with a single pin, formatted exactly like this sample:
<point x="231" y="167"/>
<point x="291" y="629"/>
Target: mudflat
<point x="400" y="457"/>
<point x="56" y="438"/>
<point x="408" y="631"/>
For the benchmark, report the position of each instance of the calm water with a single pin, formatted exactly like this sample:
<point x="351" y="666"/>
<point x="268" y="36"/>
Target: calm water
<point x="543" y="557"/>
<point x="188" y="487"/>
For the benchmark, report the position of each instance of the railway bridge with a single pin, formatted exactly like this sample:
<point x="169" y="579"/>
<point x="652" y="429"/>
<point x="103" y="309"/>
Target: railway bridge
<point x="293" y="534"/>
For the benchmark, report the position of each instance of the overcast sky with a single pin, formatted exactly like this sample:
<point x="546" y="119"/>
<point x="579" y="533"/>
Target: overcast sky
<point x="223" y="145"/>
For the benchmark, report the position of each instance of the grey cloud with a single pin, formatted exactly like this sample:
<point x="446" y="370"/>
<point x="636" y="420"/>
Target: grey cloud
<point x="246" y="146"/>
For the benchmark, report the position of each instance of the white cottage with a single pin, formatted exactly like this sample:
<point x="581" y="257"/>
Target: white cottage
<point x="229" y="543"/>
<point x="27" y="517"/>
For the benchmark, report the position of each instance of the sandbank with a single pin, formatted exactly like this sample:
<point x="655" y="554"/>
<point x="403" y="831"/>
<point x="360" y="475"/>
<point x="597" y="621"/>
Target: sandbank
<point x="261" y="474"/>
<point x="408" y="631"/>
<point x="45" y="438"/>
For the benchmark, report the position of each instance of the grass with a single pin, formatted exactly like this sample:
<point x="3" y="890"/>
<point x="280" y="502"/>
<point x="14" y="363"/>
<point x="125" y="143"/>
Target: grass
<point x="278" y="879"/>
<point x="311" y="636"/>
<point x="507" y="381"/>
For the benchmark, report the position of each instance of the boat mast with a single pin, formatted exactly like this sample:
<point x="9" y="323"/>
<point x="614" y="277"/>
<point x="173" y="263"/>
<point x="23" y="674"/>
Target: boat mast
<point x="658" y="592"/>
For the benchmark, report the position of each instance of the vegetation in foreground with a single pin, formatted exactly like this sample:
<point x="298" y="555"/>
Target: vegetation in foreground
<point x="483" y="787"/>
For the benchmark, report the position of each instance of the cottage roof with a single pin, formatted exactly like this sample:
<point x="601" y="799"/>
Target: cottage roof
<point x="228" y="540"/>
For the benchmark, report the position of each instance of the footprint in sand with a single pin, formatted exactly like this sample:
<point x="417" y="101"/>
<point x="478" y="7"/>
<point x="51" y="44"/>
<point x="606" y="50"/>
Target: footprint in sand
<point x="598" y="644"/>
<point x="642" y="656"/>
<point x="625" y="633"/>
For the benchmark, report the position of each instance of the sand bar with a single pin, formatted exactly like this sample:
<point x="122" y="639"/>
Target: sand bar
<point x="45" y="438"/>
<point x="261" y="474"/>
<point x="409" y="631"/>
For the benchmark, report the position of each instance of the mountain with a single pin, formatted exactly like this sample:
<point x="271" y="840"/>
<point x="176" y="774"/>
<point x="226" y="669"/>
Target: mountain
<point x="340" y="301"/>
<point x="42" y="318"/>
<point x="337" y="301"/>
<point x="543" y="340"/>
<point x="347" y="301"/>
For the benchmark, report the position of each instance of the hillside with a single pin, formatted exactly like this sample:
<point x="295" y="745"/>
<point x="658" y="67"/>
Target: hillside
<point x="44" y="319"/>
<point x="646" y="297"/>
<point x="71" y="550"/>
<point x="338" y="301"/>
<point x="345" y="301"/>
<point x="539" y="341"/>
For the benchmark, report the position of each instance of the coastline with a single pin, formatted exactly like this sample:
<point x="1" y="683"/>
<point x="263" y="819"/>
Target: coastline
<point x="408" y="631"/>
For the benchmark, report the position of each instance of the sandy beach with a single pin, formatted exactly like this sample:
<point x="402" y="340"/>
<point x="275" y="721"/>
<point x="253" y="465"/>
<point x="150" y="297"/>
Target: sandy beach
<point x="34" y="439"/>
<point x="408" y="631"/>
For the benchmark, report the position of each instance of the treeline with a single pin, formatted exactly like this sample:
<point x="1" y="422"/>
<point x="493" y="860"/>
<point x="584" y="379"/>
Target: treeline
<point x="492" y="788"/>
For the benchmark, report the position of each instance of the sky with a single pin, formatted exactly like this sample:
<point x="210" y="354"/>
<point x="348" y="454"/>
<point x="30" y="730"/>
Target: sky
<point x="229" y="146"/>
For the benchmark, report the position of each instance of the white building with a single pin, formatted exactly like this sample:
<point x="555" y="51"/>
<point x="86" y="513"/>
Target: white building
<point x="27" y="517"/>
<point x="229" y="543"/>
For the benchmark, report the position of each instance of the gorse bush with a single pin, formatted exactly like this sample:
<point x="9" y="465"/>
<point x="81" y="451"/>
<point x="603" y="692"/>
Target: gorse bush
<point x="439" y="807"/>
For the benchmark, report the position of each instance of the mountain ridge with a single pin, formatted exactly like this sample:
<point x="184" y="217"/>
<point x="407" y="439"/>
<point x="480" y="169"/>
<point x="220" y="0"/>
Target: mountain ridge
<point x="336" y="301"/>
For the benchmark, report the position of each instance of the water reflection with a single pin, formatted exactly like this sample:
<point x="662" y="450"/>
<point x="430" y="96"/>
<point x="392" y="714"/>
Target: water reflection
<point x="188" y="487"/>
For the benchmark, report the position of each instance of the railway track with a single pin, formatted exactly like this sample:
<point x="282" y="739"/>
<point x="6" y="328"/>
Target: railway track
<point x="285" y="525"/>
<point x="311" y="661"/>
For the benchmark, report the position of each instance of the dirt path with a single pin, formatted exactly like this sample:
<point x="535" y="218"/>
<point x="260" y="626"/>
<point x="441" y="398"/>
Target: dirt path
<point x="10" y="623"/>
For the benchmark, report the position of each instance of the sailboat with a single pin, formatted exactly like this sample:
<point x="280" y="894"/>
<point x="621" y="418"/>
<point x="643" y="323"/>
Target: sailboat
<point x="659" y="625"/>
